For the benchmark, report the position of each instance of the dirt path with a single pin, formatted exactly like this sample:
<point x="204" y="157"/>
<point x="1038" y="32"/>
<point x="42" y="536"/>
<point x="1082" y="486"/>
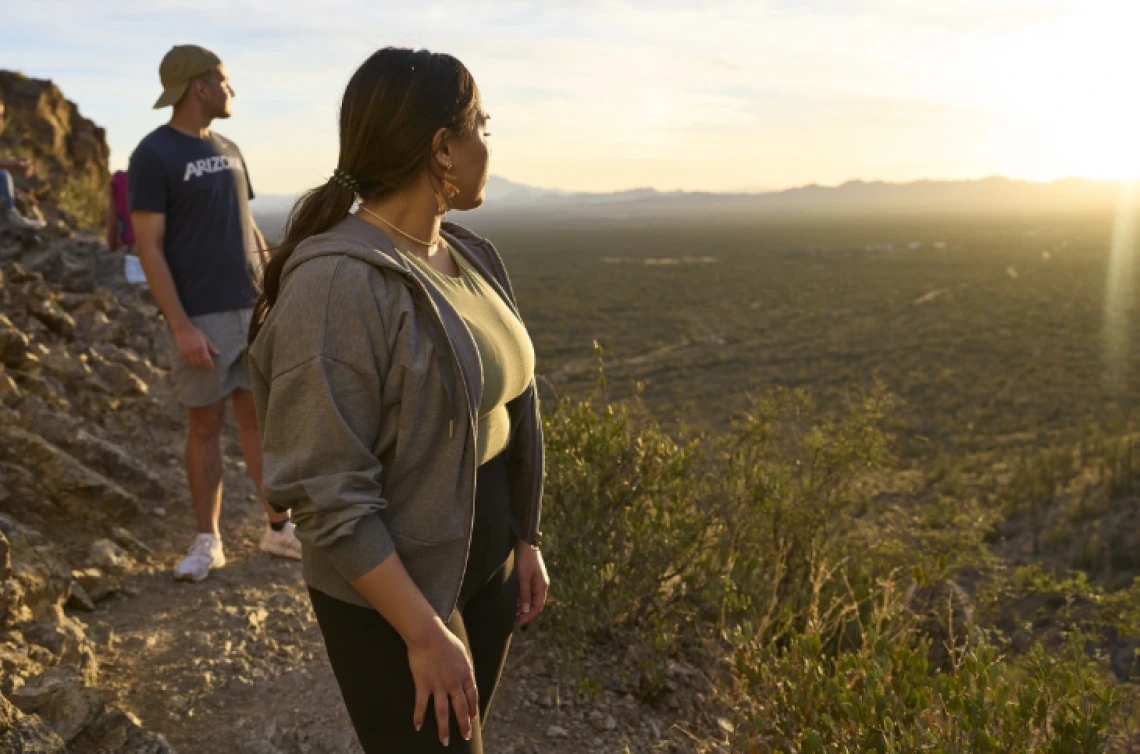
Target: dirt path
<point x="236" y="663"/>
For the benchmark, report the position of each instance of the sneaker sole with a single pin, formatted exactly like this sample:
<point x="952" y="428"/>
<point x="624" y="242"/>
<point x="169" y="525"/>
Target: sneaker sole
<point x="280" y="552"/>
<point x="189" y="577"/>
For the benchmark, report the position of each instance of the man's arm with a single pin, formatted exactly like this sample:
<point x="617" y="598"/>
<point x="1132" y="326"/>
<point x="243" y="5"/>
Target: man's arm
<point x="195" y="347"/>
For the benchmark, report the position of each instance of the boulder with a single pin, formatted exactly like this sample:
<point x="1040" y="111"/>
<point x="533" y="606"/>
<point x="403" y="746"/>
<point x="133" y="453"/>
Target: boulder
<point x="80" y="489"/>
<point x="13" y="608"/>
<point x="119" y="378"/>
<point x="118" y="732"/>
<point x="55" y="319"/>
<point x="78" y="715"/>
<point x="14" y="345"/>
<point x="60" y="698"/>
<point x="64" y="365"/>
<point x="94" y="582"/>
<point x="66" y="639"/>
<point x="26" y="734"/>
<point x="10" y="392"/>
<point x="106" y="554"/>
<point x="43" y="575"/>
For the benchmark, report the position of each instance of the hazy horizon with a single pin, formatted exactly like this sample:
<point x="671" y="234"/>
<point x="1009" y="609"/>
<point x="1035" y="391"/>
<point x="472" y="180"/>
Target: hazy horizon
<point x="725" y="97"/>
<point x="553" y="191"/>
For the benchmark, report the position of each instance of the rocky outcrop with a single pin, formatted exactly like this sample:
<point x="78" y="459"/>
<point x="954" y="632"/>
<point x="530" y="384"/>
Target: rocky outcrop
<point x="79" y="400"/>
<point x="78" y="716"/>
<point x="71" y="154"/>
<point x="28" y="734"/>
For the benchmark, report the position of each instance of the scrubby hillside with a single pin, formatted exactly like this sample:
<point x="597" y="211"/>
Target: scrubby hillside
<point x="80" y="398"/>
<point x="70" y="151"/>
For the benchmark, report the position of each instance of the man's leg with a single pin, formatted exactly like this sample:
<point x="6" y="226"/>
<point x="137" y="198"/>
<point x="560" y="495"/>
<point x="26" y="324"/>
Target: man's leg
<point x="204" y="471"/>
<point x="246" y="415"/>
<point x="280" y="537"/>
<point x="204" y="464"/>
<point x="7" y="192"/>
<point x="8" y="204"/>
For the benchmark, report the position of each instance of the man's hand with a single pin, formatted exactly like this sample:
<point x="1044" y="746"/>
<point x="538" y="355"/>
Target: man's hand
<point x="534" y="583"/>
<point x="195" y="347"/>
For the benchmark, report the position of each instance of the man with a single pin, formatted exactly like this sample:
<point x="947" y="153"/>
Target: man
<point x="8" y="189"/>
<point x="198" y="245"/>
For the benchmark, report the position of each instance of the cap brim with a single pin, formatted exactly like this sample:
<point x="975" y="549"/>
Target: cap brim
<point x="171" y="96"/>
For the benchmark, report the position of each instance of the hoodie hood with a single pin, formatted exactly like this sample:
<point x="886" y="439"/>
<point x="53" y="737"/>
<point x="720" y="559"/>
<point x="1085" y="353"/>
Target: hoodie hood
<point x="351" y="237"/>
<point x="359" y="239"/>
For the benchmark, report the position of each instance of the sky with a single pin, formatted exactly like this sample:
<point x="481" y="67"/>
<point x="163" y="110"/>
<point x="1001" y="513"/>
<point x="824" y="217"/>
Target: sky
<point x="607" y="95"/>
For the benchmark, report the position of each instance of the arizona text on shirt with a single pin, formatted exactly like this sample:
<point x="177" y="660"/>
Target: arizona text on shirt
<point x="217" y="164"/>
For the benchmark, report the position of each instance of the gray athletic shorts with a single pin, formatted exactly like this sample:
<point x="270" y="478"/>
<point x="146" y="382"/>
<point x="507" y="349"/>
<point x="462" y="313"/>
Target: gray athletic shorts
<point x="204" y="387"/>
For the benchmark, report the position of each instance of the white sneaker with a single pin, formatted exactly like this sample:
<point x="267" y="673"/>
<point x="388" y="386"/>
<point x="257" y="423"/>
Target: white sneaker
<point x="284" y="543"/>
<point x="15" y="218"/>
<point x="205" y="553"/>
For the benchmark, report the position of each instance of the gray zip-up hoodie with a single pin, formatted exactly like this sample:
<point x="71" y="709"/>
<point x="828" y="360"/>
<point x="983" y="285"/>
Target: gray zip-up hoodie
<point x="367" y="384"/>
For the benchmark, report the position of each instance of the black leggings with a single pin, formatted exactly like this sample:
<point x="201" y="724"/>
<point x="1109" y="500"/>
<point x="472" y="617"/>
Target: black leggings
<point x="370" y="659"/>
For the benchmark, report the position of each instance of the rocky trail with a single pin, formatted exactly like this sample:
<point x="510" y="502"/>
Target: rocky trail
<point x="100" y="649"/>
<point x="237" y="661"/>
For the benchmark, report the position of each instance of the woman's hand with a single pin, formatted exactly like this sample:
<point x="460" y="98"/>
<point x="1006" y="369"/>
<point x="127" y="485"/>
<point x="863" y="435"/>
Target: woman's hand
<point x="534" y="583"/>
<point x="442" y="670"/>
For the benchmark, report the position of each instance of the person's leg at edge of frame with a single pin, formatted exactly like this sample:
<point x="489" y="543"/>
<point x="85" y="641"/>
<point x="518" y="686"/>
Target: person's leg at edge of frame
<point x="280" y="538"/>
<point x="8" y="204"/>
<point x="7" y="192"/>
<point x="204" y="472"/>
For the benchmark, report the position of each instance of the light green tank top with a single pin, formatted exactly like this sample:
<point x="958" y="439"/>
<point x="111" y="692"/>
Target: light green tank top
<point x="504" y="346"/>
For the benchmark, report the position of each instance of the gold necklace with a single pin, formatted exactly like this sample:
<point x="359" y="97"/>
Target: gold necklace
<point x="408" y="236"/>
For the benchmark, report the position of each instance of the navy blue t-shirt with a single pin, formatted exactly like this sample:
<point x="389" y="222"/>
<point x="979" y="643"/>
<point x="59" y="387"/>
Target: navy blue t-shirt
<point x="203" y="188"/>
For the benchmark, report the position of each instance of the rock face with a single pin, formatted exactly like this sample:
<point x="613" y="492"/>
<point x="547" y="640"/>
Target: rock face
<point x="70" y="151"/>
<point x="77" y="716"/>
<point x="24" y="733"/>
<point x="79" y="403"/>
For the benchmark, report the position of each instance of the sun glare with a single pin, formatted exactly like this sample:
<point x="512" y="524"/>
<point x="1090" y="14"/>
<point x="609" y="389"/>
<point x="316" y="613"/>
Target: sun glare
<point x="1068" y="87"/>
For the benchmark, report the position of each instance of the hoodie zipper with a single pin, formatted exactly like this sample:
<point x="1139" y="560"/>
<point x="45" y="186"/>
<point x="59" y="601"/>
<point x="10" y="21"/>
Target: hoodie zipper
<point x="422" y="291"/>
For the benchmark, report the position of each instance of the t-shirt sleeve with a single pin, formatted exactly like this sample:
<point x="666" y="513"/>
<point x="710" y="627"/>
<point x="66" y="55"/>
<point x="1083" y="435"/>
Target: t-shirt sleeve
<point x="245" y="171"/>
<point x="248" y="182"/>
<point x="146" y="181"/>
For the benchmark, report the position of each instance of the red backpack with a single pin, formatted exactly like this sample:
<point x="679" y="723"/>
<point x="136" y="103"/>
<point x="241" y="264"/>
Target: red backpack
<point x="121" y="197"/>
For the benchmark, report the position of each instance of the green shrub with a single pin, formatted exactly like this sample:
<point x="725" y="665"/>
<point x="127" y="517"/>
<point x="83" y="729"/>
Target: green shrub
<point x="659" y="540"/>
<point x="85" y="202"/>
<point x="765" y="544"/>
<point x="885" y="697"/>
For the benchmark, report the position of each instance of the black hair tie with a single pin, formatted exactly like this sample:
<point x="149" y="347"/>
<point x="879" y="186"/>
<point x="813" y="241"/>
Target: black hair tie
<point x="346" y="181"/>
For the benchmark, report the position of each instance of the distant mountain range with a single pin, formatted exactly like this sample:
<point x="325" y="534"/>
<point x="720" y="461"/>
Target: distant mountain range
<point x="987" y="195"/>
<point x="995" y="194"/>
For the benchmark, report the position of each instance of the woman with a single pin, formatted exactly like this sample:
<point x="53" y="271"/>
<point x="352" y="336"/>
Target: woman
<point x="395" y="385"/>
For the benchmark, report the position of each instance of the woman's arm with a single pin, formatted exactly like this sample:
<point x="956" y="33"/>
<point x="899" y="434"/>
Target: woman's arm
<point x="320" y="422"/>
<point x="440" y="665"/>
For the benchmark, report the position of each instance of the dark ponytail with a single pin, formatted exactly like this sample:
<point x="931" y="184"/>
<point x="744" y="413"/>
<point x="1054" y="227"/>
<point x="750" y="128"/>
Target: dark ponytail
<point x="315" y="212"/>
<point x="392" y="107"/>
